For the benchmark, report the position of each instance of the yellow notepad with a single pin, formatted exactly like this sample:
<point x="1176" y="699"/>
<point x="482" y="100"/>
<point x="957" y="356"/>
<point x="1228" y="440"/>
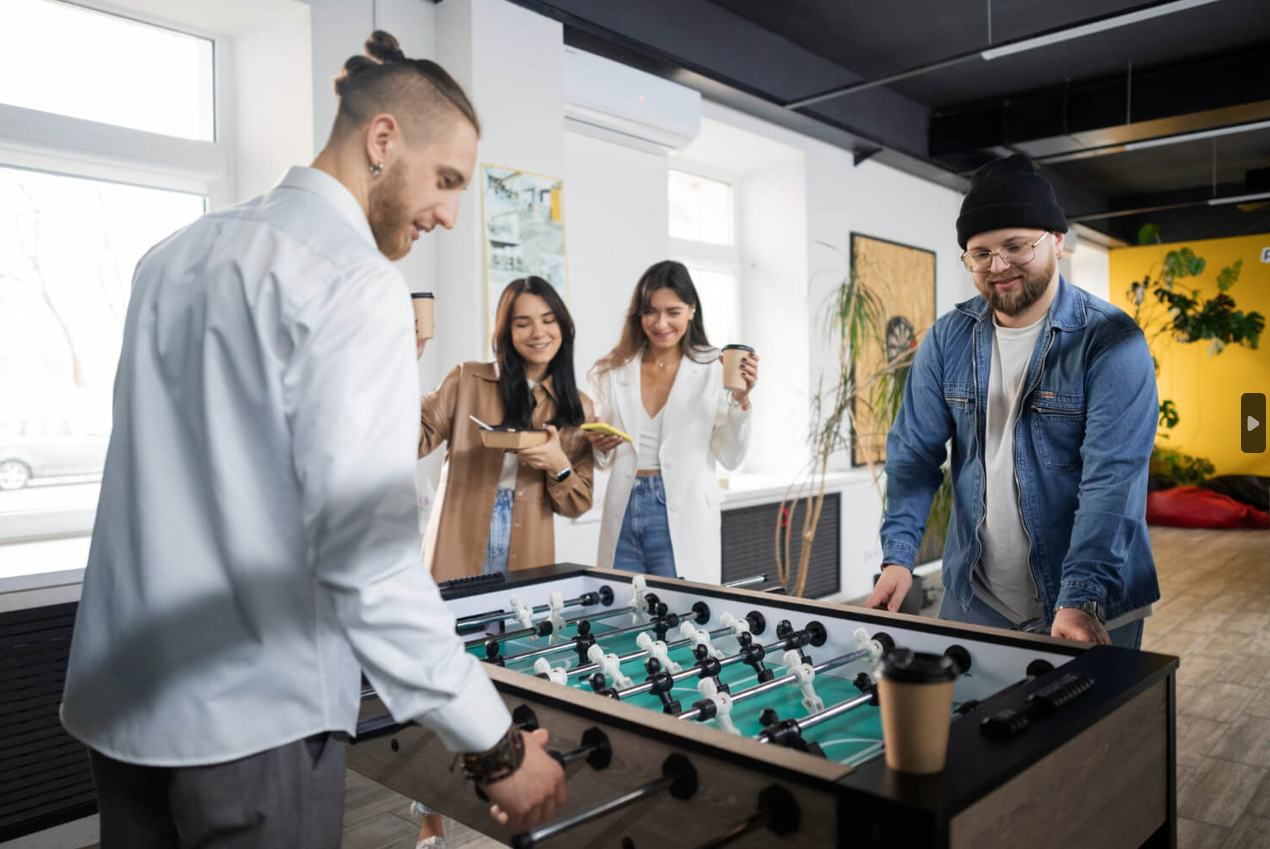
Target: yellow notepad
<point x="605" y="428"/>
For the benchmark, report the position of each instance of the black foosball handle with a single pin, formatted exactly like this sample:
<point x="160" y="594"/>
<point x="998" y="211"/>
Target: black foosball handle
<point x="679" y="778"/>
<point x="778" y="812"/>
<point x="1046" y="701"/>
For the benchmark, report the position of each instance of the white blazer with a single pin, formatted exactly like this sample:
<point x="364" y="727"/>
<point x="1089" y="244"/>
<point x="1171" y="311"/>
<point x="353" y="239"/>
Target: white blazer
<point x="699" y="427"/>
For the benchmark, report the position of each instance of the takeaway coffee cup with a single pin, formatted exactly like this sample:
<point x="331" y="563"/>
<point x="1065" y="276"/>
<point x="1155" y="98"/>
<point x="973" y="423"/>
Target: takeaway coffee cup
<point x="425" y="323"/>
<point x="915" y="694"/>
<point x="732" y="356"/>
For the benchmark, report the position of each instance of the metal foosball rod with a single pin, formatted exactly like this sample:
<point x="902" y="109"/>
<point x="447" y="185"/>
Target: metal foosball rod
<point x="789" y="732"/>
<point x="701" y="713"/>
<point x="679" y="778"/>
<point x="661" y="623"/>
<point x="602" y="596"/>
<point x="746" y="582"/>
<point x="753" y="623"/>
<point x="661" y="683"/>
<point x="545" y="627"/>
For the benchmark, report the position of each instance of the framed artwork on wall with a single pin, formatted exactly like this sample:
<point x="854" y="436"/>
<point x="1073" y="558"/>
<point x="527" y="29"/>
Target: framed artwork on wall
<point x="903" y="277"/>
<point x="523" y="219"/>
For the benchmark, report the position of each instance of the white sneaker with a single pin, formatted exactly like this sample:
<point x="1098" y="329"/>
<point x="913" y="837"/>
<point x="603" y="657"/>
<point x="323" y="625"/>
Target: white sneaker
<point x="417" y="812"/>
<point x="431" y="843"/>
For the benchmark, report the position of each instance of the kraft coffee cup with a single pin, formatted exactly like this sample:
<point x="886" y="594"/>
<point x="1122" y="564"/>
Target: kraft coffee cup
<point x="915" y="694"/>
<point x="425" y="323"/>
<point x="732" y="356"/>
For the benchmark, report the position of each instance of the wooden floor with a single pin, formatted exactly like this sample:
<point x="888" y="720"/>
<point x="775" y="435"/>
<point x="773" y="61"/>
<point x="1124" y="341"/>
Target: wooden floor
<point x="1214" y="613"/>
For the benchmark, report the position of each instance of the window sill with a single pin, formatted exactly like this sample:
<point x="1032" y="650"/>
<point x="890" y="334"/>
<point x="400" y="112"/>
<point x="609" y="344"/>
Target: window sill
<point x="45" y="564"/>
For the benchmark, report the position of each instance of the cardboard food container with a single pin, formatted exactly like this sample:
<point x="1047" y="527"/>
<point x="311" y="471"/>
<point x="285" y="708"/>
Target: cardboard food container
<point x="512" y="439"/>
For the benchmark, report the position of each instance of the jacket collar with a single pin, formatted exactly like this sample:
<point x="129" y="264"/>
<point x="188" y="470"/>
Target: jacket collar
<point x="489" y="372"/>
<point x="1066" y="313"/>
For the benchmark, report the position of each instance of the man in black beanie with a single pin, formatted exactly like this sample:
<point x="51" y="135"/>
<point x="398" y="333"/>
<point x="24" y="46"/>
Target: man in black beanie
<point x="1048" y="395"/>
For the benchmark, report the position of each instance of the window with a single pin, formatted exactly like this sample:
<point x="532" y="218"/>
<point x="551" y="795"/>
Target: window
<point x="116" y="71"/>
<point x="96" y="166"/>
<point x="702" y="224"/>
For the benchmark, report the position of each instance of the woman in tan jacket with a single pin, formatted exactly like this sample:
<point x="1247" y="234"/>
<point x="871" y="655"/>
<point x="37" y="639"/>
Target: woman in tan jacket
<point x="494" y="509"/>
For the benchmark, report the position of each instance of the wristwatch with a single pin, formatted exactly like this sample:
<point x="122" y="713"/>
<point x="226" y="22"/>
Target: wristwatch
<point x="1093" y="608"/>
<point x="561" y="476"/>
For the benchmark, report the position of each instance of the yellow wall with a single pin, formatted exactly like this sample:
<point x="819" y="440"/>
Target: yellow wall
<point x="1207" y="389"/>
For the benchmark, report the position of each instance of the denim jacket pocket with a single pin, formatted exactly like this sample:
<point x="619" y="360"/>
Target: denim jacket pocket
<point x="958" y="397"/>
<point x="1058" y="429"/>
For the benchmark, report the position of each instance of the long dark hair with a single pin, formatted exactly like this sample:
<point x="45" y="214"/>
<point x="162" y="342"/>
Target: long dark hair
<point x="674" y="276"/>
<point x="518" y="402"/>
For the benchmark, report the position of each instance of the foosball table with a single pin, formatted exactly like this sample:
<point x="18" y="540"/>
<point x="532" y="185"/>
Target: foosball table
<point x="693" y="715"/>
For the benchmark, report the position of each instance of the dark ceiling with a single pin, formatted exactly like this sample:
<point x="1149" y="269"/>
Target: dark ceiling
<point x="1073" y="104"/>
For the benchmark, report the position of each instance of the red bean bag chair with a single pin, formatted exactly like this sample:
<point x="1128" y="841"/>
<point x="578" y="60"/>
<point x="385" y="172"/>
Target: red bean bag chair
<point x="1196" y="507"/>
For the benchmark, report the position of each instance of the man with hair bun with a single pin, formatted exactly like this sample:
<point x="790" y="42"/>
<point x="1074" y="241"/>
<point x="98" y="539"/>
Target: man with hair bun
<point x="256" y="543"/>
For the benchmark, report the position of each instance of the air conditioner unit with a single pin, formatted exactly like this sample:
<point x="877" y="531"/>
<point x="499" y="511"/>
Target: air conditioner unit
<point x="615" y="102"/>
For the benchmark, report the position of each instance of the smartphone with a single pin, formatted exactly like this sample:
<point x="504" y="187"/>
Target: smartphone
<point x="606" y="429"/>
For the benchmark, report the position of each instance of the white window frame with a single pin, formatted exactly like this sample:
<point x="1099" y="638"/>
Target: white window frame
<point x="60" y="144"/>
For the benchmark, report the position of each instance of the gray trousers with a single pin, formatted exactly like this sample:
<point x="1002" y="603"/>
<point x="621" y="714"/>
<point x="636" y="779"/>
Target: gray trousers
<point x="291" y="797"/>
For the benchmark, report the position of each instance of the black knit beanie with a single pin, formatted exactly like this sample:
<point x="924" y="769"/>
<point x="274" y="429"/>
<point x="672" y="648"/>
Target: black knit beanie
<point x="1009" y="193"/>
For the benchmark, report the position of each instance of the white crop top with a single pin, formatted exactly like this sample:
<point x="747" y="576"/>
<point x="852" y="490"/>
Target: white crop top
<point x="649" y="439"/>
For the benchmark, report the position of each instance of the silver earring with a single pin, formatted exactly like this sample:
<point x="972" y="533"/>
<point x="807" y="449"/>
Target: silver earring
<point x="376" y="170"/>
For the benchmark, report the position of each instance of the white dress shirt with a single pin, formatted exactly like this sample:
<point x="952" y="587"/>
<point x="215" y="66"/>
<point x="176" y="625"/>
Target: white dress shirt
<point x="257" y="538"/>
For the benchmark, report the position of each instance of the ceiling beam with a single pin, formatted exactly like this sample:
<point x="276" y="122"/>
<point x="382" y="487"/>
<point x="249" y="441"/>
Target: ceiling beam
<point x="1091" y="114"/>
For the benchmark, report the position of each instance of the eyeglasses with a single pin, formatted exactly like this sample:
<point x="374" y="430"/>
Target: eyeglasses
<point x="1012" y="255"/>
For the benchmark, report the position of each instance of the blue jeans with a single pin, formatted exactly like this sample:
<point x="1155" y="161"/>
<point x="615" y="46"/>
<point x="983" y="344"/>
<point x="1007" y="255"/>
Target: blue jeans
<point x="500" y="534"/>
<point x="1126" y="636"/>
<point x="644" y="545"/>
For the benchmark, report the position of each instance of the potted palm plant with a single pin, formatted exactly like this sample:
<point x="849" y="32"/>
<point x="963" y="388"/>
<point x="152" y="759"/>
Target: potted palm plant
<point x="855" y="316"/>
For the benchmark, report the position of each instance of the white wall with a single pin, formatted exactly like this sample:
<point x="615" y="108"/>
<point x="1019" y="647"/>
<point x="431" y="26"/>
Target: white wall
<point x="1088" y="266"/>
<point x="872" y="200"/>
<point x="773" y="232"/>
<point x="616" y="226"/>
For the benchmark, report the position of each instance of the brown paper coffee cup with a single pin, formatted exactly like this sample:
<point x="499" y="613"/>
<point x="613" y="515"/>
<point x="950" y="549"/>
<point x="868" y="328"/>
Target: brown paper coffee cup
<point x="425" y="322"/>
<point x="733" y="381"/>
<point x="915" y="694"/>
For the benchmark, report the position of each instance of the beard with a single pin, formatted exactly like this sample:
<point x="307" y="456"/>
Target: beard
<point x="1030" y="289"/>
<point x="389" y="215"/>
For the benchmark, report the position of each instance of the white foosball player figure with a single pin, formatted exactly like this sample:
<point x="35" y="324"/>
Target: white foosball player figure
<point x="611" y="666"/>
<point x="863" y="642"/>
<point x="722" y="704"/>
<point x="657" y="649"/>
<point x="555" y="604"/>
<point x="738" y="626"/>
<point x="555" y="674"/>
<point x="803" y="674"/>
<point x="700" y="637"/>
<point x="638" y="605"/>
<point x="524" y="614"/>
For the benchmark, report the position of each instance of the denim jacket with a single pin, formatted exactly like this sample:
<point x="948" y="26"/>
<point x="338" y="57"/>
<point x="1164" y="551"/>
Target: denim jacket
<point x="1081" y="449"/>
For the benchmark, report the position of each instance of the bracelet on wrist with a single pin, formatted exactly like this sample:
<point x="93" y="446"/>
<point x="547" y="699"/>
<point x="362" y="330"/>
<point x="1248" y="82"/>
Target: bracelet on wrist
<point x="497" y="762"/>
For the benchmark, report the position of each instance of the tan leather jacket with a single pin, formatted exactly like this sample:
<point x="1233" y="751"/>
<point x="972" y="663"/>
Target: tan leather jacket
<point x="458" y="529"/>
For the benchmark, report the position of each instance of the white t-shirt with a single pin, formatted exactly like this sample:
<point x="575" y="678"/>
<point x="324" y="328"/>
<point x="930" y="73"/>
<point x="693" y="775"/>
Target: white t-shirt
<point x="1003" y="577"/>
<point x="511" y="460"/>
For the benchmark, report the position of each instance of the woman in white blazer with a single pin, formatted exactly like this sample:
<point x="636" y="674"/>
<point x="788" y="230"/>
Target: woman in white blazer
<point x="663" y="386"/>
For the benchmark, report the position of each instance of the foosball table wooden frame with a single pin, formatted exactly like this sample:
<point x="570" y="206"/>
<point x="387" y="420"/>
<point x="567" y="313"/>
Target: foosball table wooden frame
<point x="1100" y="772"/>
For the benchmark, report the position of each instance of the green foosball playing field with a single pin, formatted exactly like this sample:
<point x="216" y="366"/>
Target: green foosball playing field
<point x="848" y="739"/>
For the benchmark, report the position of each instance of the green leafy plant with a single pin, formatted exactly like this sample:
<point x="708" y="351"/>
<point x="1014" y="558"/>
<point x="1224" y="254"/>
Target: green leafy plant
<point x="1169" y="313"/>
<point x="855" y="317"/>
<point x="1181" y="469"/>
